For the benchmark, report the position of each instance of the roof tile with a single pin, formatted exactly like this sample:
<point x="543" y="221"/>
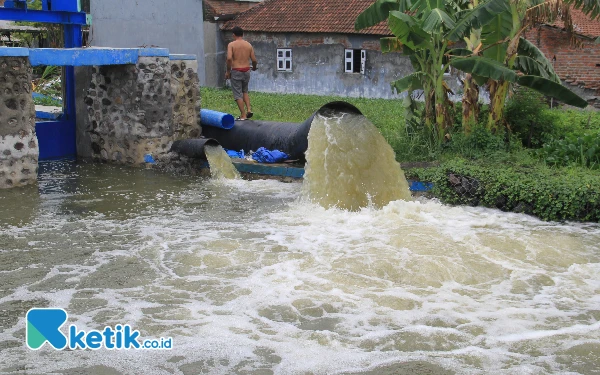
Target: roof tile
<point x="582" y="24"/>
<point x="306" y="16"/>
<point x="216" y="8"/>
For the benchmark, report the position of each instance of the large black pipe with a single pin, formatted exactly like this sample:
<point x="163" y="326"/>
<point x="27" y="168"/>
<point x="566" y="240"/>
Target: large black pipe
<point x="289" y="137"/>
<point x="193" y="148"/>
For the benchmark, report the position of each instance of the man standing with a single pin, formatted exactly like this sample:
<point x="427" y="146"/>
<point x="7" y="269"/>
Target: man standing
<point x="239" y="54"/>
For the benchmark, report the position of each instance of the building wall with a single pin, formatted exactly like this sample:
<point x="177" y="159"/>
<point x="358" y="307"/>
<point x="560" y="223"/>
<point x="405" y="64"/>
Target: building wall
<point x="176" y="25"/>
<point x="215" y="55"/>
<point x="577" y="65"/>
<point x="318" y="65"/>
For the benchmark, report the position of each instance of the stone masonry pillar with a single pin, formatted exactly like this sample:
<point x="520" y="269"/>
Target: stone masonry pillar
<point x="18" y="143"/>
<point x="142" y="109"/>
<point x="185" y="89"/>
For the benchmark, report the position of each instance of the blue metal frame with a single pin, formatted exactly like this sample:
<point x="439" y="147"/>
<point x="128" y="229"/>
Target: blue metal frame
<point x="42" y="16"/>
<point x="56" y="139"/>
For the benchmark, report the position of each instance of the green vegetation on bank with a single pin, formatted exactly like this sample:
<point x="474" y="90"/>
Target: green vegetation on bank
<point x="549" y="193"/>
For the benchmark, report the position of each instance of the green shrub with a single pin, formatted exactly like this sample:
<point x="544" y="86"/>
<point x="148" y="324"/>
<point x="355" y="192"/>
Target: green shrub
<point x="550" y="194"/>
<point x="529" y="119"/>
<point x="478" y="143"/>
<point x="581" y="151"/>
<point x="576" y="122"/>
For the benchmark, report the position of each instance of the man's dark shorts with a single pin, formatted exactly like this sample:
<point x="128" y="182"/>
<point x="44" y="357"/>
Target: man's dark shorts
<point x="239" y="83"/>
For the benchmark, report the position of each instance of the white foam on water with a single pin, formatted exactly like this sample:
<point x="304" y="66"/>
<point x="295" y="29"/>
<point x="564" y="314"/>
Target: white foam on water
<point x="251" y="278"/>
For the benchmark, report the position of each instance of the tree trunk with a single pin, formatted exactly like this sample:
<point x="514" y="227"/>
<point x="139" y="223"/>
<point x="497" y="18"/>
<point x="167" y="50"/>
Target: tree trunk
<point x="498" y="93"/>
<point x="442" y="116"/>
<point x="470" y="104"/>
<point x="429" y="108"/>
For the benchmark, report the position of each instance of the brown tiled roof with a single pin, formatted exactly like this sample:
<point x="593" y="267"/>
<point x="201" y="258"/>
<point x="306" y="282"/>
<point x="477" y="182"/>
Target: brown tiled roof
<point x="306" y="16"/>
<point x="216" y="8"/>
<point x="582" y="24"/>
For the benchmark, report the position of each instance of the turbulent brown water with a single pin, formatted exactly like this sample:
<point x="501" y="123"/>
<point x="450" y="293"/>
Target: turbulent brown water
<point x="249" y="278"/>
<point x="220" y="163"/>
<point x="350" y="165"/>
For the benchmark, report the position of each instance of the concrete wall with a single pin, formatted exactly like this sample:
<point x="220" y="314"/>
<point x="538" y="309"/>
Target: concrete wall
<point x="215" y="55"/>
<point x="18" y="143"/>
<point x="318" y="65"/>
<point x="176" y="25"/>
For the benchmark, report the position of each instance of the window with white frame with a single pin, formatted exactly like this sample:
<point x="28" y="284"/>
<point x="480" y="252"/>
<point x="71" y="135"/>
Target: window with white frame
<point x="284" y="59"/>
<point x="355" y="60"/>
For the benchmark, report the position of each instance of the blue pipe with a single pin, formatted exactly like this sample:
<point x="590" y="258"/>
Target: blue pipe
<point x="216" y="119"/>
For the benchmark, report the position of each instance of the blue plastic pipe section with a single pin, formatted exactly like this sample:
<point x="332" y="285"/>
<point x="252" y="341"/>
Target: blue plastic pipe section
<point x="216" y="119"/>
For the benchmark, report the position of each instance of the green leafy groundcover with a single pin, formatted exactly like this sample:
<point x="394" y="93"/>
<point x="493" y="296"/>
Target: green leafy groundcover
<point x="550" y="194"/>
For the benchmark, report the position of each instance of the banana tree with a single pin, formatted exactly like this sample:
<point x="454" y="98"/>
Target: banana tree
<point x="506" y="53"/>
<point x="419" y="31"/>
<point x="424" y="29"/>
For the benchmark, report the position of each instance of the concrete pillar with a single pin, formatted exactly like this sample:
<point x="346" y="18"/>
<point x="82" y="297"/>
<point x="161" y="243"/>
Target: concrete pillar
<point x="18" y="143"/>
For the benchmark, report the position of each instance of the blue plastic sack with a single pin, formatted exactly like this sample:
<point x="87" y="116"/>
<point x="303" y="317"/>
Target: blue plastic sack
<point x="262" y="155"/>
<point x="235" y="154"/>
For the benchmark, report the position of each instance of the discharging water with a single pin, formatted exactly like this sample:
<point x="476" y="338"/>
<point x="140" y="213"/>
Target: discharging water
<point x="220" y="163"/>
<point x="350" y="165"/>
<point x="249" y="279"/>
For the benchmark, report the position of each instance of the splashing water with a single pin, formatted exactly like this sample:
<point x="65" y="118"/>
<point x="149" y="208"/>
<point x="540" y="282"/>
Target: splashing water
<point x="248" y="279"/>
<point x="350" y="165"/>
<point x="220" y="163"/>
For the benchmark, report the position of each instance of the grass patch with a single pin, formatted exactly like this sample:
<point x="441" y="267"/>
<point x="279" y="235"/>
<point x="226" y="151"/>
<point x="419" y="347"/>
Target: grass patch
<point x="576" y="122"/>
<point x="47" y="101"/>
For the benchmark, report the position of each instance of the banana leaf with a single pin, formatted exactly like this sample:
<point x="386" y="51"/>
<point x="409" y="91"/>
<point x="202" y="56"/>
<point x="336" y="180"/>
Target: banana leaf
<point x="437" y="18"/>
<point x="476" y="18"/>
<point x="494" y="32"/>
<point x="526" y="48"/>
<point x="550" y="88"/>
<point x="484" y="67"/>
<point x="410" y="82"/>
<point x="531" y="67"/>
<point x="379" y="12"/>
<point x="408" y="30"/>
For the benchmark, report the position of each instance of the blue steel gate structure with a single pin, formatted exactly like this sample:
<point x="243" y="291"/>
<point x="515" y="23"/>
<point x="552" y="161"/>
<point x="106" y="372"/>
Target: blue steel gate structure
<point x="56" y="138"/>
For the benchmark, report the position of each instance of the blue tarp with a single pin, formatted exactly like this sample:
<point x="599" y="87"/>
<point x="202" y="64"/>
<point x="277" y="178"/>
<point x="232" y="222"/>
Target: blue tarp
<point x="235" y="154"/>
<point x="262" y="155"/>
